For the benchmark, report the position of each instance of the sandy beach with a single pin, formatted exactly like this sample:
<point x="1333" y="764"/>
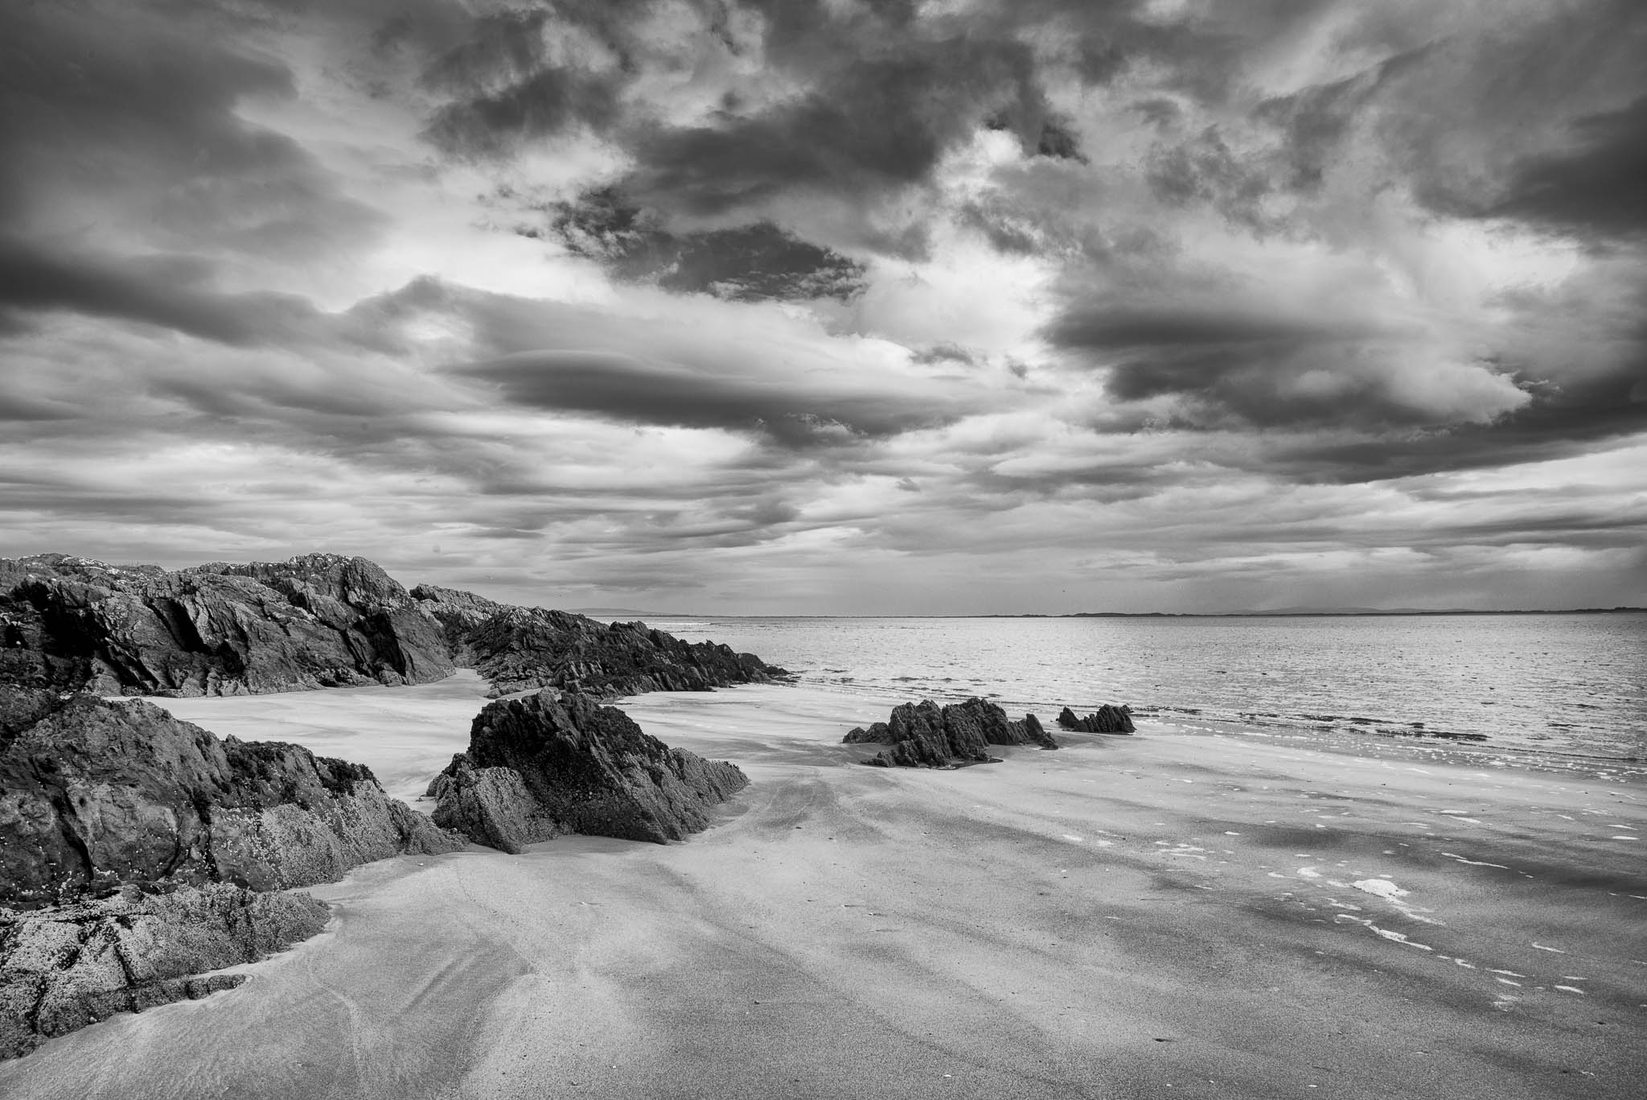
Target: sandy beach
<point x="1181" y="913"/>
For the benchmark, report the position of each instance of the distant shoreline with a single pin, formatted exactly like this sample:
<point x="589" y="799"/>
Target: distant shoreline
<point x="1345" y="614"/>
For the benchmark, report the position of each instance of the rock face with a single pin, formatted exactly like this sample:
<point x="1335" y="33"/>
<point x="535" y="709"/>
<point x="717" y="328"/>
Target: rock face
<point x="320" y="620"/>
<point x="521" y="649"/>
<point x="546" y="764"/>
<point x="99" y="794"/>
<point x="1106" y="719"/>
<point x="924" y="735"/>
<point x="64" y="968"/>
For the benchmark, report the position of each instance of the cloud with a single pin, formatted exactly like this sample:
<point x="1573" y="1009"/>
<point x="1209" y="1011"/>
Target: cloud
<point x="749" y="263"/>
<point x="835" y="306"/>
<point x="1270" y="369"/>
<point x="164" y="291"/>
<point x="1593" y="187"/>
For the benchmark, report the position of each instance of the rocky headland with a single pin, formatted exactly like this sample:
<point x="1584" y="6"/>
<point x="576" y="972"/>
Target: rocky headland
<point x="324" y="620"/>
<point x="925" y="735"/>
<point x="527" y="648"/>
<point x="548" y="764"/>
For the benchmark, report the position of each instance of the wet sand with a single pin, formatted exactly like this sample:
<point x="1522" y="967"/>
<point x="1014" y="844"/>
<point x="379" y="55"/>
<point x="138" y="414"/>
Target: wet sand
<point x="1181" y="913"/>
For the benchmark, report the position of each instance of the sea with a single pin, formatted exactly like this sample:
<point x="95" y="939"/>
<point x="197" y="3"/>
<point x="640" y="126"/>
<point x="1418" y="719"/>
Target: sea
<point x="1559" y="684"/>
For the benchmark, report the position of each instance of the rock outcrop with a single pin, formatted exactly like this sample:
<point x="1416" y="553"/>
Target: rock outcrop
<point x="547" y="764"/>
<point x="320" y="620"/>
<point x="98" y="794"/>
<point x="64" y="968"/>
<point x="523" y="649"/>
<point x="1106" y="719"/>
<point x="925" y="735"/>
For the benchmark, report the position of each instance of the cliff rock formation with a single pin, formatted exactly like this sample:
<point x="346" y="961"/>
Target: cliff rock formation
<point x="924" y="735"/>
<point x="99" y="794"/>
<point x="548" y="764"/>
<point x="521" y="649"/>
<point x="1106" y="719"/>
<point x="319" y="620"/>
<point x="64" y="968"/>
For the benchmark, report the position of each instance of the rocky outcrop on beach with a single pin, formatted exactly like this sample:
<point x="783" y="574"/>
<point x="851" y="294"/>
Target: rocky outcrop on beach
<point x="98" y="794"/>
<point x="925" y="735"/>
<point x="320" y="620"/>
<point x="138" y="852"/>
<point x="323" y="620"/>
<point x="548" y="764"/>
<point x="1106" y="719"/>
<point x="66" y="967"/>
<point x="523" y="649"/>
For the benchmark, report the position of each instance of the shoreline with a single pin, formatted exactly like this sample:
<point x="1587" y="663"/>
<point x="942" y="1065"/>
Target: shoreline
<point x="1226" y="914"/>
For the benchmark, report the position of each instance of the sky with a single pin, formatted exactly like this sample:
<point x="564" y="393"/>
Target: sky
<point x="837" y="306"/>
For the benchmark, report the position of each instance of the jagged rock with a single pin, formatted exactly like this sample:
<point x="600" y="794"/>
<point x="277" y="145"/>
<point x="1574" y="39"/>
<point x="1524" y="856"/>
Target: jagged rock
<point x="320" y="620"/>
<point x="66" y="967"/>
<point x="924" y="735"/>
<point x="548" y="764"/>
<point x="1107" y="719"/>
<point x="101" y="793"/>
<point x="522" y="649"/>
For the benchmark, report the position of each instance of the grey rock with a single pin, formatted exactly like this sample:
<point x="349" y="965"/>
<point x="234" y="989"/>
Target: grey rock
<point x="925" y="735"/>
<point x="320" y="620"/>
<point x="1106" y="719"/>
<point x="548" y="764"/>
<point x="101" y="793"/>
<point x="525" y="649"/>
<point x="66" y="967"/>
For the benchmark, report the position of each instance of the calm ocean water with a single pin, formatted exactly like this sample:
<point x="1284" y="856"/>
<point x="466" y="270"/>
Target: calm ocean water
<point x="1560" y="683"/>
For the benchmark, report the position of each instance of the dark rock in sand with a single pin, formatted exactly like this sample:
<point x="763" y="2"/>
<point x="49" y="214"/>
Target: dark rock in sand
<point x="97" y="794"/>
<point x="1106" y="719"/>
<point x="546" y="764"/>
<point x="66" y="967"/>
<point x="320" y="620"/>
<point x="924" y="735"/>
<point x="522" y="649"/>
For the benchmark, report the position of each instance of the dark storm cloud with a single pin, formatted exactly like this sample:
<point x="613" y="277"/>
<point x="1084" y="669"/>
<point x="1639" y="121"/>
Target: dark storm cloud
<point x="129" y="106"/>
<point x="881" y="121"/>
<point x="121" y="122"/>
<point x="1263" y="369"/>
<point x="626" y="388"/>
<point x="750" y="263"/>
<point x="1597" y="187"/>
<point x="1204" y="169"/>
<point x="508" y="87"/>
<point x="1556" y="424"/>
<point x="164" y="291"/>
<point x="1543" y="122"/>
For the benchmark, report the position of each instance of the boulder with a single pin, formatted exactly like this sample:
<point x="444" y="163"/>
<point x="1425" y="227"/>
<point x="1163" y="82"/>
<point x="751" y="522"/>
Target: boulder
<point x="924" y="735"/>
<point x="548" y="764"/>
<point x="1106" y="719"/>
<point x="66" y="967"/>
<point x="100" y="793"/>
